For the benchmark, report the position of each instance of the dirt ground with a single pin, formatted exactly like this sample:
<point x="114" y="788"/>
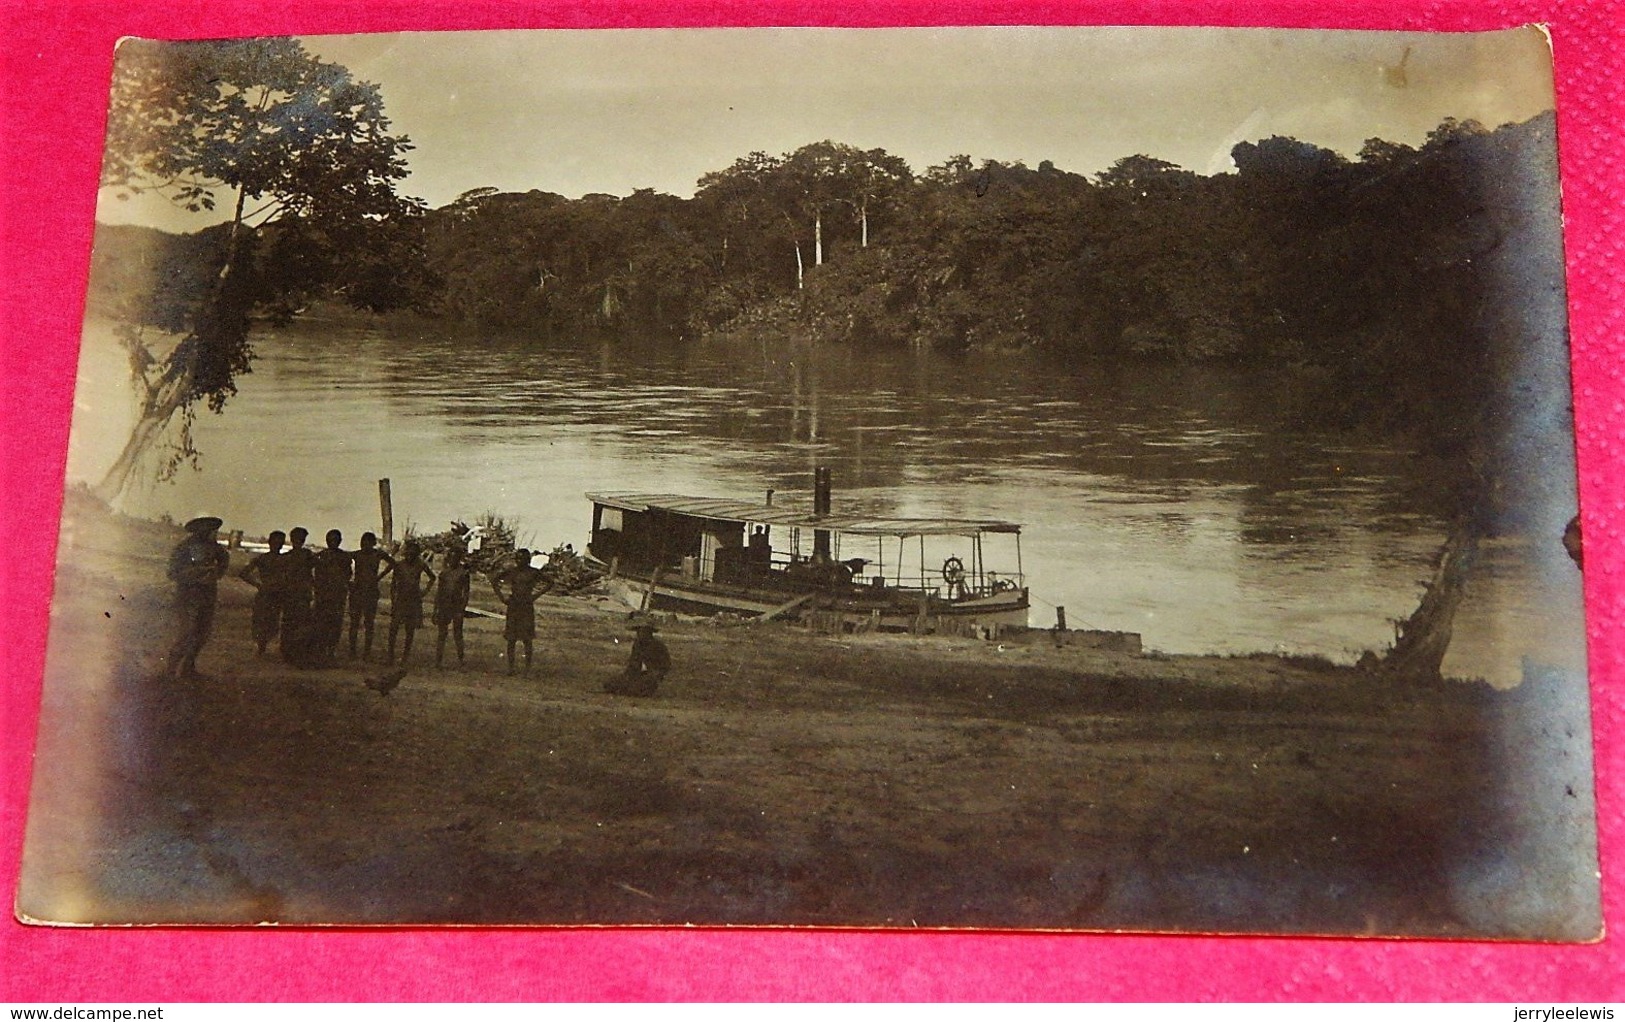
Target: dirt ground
<point x="778" y="777"/>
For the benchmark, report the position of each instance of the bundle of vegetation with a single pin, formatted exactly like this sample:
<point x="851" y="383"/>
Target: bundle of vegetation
<point x="492" y="537"/>
<point x="566" y="571"/>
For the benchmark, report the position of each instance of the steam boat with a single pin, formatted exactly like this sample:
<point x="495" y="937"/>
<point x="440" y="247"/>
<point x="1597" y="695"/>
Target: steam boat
<point x="706" y="555"/>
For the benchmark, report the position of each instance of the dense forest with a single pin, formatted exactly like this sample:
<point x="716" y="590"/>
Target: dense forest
<point x="1297" y="249"/>
<point x="1301" y="255"/>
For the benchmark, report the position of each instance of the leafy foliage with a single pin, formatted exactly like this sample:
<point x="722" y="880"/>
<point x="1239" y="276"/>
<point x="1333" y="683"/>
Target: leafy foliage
<point x="1295" y="257"/>
<point x="305" y="155"/>
<point x="563" y="571"/>
<point x="498" y="538"/>
<point x="259" y="117"/>
<point x="566" y="570"/>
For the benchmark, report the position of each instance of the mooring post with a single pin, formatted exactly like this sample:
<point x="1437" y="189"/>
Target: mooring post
<point x="1060" y="619"/>
<point x="387" y="512"/>
<point x="649" y="591"/>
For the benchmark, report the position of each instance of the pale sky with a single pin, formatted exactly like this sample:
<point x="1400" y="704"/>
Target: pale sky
<point x="613" y="110"/>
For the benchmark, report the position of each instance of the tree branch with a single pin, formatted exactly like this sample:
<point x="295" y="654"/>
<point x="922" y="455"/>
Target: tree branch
<point x="276" y="204"/>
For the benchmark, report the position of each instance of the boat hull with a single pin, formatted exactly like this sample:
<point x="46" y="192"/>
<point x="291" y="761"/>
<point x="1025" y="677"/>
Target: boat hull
<point x="888" y="610"/>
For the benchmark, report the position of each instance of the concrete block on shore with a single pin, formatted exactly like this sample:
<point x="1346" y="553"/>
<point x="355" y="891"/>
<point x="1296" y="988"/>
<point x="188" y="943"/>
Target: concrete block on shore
<point x="1110" y="642"/>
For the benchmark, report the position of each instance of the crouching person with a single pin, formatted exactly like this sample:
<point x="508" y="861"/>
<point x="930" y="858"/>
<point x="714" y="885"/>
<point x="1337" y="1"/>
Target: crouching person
<point x="645" y="667"/>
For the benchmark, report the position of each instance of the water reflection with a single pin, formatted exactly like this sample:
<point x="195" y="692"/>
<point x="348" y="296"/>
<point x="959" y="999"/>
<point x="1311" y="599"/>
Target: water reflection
<point x="1168" y="502"/>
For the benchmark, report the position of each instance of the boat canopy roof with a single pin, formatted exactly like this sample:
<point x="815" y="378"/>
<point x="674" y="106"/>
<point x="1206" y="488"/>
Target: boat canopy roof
<point x="769" y="514"/>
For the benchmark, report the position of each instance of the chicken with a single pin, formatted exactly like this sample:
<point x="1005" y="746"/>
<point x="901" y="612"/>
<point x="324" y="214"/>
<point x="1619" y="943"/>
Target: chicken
<point x="385" y="683"/>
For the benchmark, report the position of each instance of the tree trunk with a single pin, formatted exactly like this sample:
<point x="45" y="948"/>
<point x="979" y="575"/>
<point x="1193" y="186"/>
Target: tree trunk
<point x="863" y="218"/>
<point x="159" y="408"/>
<point x="1421" y="640"/>
<point x="800" y="270"/>
<point x="818" y="239"/>
<point x="146" y="431"/>
<point x="232" y="231"/>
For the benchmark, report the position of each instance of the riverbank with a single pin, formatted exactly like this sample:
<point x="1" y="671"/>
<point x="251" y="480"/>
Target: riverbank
<point x="779" y="777"/>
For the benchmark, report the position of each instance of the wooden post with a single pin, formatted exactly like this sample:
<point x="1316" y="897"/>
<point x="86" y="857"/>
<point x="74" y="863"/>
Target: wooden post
<point x="648" y="594"/>
<point x="387" y="511"/>
<point x="1060" y="619"/>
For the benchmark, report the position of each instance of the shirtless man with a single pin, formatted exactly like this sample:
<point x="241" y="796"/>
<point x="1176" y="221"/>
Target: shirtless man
<point x="450" y="601"/>
<point x="522" y="581"/>
<point x="332" y="570"/>
<point x="411" y="578"/>
<point x="265" y="574"/>
<point x="364" y="588"/>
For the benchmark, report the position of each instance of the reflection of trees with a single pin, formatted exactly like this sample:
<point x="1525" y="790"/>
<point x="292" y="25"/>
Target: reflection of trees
<point x="1133" y="423"/>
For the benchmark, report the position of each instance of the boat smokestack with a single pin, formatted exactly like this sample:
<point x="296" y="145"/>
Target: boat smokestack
<point x="769" y="498"/>
<point x="821" y="504"/>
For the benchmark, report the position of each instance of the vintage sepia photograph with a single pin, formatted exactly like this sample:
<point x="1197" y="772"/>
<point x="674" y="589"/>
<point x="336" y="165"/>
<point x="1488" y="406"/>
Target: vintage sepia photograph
<point x="1096" y="479"/>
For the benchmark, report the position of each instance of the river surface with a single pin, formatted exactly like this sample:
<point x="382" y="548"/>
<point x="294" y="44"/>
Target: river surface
<point x="1169" y="502"/>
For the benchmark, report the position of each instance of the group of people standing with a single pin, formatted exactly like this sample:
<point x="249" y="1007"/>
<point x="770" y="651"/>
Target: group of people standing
<point x="302" y="595"/>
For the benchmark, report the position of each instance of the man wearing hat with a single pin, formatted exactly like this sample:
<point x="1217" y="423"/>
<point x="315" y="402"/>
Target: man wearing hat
<point x="195" y="567"/>
<point x="647" y="664"/>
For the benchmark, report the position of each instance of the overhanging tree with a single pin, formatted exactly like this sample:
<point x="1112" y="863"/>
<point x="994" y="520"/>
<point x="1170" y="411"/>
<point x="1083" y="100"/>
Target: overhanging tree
<point x="301" y="153"/>
<point x="1429" y="286"/>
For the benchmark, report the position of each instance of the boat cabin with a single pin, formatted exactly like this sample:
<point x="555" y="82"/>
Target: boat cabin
<point x="733" y="543"/>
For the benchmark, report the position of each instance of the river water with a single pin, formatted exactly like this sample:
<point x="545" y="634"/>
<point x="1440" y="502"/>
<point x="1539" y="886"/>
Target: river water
<point x="1169" y="502"/>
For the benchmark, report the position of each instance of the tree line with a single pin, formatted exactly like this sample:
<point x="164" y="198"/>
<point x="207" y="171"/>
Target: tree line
<point x="1301" y="256"/>
<point x="1298" y="250"/>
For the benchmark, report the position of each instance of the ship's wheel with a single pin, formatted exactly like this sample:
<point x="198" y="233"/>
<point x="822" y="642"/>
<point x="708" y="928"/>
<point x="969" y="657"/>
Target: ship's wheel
<point x="953" y="572"/>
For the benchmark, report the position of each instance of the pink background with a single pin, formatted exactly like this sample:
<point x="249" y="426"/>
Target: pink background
<point x="57" y="58"/>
